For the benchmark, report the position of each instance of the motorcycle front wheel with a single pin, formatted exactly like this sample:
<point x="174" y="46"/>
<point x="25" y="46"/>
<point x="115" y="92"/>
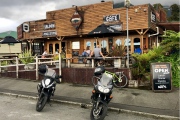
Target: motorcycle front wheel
<point x="41" y="102"/>
<point x="99" y="113"/>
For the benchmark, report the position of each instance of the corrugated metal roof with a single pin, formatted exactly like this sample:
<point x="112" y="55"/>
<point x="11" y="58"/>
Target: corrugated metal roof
<point x="8" y="33"/>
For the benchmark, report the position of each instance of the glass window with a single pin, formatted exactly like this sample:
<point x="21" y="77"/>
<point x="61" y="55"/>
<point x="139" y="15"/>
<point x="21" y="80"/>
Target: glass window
<point x="103" y="46"/>
<point x="57" y="48"/>
<point x="88" y="43"/>
<point x="75" y="45"/>
<point x="50" y="48"/>
<point x="118" y="42"/>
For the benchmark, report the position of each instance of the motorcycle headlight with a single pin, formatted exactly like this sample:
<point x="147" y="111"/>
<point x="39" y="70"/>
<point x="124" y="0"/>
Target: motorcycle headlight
<point x="47" y="81"/>
<point x="100" y="88"/>
<point x="104" y="90"/>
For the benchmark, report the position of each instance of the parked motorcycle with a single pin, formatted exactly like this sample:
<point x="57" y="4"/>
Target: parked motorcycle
<point x="101" y="94"/>
<point x="47" y="86"/>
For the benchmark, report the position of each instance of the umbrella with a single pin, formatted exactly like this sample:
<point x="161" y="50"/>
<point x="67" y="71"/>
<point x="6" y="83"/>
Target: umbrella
<point x="103" y="31"/>
<point x="9" y="40"/>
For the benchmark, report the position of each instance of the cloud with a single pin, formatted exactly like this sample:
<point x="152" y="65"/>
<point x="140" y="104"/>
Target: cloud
<point x="16" y="12"/>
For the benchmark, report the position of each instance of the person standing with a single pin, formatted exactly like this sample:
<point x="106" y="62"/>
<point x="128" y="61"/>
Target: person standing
<point x="97" y="53"/>
<point x="44" y="54"/>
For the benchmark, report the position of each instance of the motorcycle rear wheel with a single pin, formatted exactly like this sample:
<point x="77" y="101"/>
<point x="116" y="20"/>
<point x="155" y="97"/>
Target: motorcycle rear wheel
<point x="41" y="102"/>
<point x="99" y="114"/>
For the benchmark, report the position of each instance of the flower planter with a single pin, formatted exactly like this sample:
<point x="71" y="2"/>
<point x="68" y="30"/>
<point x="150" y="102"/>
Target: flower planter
<point x="117" y="63"/>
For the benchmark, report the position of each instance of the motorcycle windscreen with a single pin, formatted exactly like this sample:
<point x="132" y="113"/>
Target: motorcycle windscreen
<point x="106" y="79"/>
<point x="51" y="73"/>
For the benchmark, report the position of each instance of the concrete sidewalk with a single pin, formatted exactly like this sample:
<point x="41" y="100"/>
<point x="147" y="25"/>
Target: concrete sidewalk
<point x="124" y="99"/>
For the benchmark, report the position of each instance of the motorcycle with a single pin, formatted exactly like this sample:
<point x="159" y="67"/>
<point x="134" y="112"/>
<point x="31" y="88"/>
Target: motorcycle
<point x="47" y="86"/>
<point x="101" y="94"/>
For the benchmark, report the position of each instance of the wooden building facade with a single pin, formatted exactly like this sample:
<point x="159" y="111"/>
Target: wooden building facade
<point x="67" y="29"/>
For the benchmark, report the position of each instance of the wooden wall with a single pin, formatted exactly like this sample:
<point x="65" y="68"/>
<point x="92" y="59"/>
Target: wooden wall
<point x="93" y="16"/>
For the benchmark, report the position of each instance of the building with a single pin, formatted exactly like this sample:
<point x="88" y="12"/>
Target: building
<point x="67" y="29"/>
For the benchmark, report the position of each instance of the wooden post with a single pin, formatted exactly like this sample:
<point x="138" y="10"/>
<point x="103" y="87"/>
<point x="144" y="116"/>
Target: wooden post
<point x="60" y="66"/>
<point x="0" y="66"/>
<point x="37" y="75"/>
<point x="92" y="63"/>
<point x="17" y="68"/>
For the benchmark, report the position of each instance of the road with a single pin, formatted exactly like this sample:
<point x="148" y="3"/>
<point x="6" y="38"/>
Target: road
<point x="13" y="108"/>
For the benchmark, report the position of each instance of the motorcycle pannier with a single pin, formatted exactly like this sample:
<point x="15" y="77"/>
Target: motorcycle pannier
<point x="99" y="70"/>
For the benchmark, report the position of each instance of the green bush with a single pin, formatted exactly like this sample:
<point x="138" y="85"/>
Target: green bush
<point x="168" y="51"/>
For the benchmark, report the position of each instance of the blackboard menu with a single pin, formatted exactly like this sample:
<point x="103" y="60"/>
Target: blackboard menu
<point x="161" y="77"/>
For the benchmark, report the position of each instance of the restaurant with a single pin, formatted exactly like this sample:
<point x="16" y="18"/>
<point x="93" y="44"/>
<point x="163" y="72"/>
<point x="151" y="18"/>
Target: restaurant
<point x="73" y="29"/>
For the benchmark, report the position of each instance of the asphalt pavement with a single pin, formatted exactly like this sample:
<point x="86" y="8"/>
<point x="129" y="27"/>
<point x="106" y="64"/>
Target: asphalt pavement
<point x="137" y="101"/>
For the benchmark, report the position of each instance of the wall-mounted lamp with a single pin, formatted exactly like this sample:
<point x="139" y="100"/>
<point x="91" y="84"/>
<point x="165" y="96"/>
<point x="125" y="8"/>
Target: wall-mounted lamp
<point x="144" y="10"/>
<point x="136" y="10"/>
<point x="129" y="18"/>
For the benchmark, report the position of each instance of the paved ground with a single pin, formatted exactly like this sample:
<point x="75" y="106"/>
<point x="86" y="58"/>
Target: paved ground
<point x="144" y="102"/>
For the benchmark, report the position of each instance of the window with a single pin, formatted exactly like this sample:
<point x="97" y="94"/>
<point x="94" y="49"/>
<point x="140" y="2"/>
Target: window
<point x="88" y="43"/>
<point x="103" y="46"/>
<point x="75" y="45"/>
<point x="118" y="42"/>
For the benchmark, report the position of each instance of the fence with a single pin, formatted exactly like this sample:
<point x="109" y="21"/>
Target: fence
<point x="36" y="63"/>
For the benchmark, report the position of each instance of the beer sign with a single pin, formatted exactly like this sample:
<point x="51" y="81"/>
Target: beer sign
<point x="161" y="77"/>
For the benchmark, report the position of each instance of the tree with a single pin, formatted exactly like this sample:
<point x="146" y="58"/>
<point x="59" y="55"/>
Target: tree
<point x="174" y="13"/>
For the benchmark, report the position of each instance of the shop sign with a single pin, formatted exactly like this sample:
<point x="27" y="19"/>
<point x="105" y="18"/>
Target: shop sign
<point x="111" y="18"/>
<point x="76" y="20"/>
<point x="49" y="33"/>
<point x="25" y="27"/>
<point x="20" y="32"/>
<point x="49" y="26"/>
<point x="161" y="77"/>
<point x="117" y="26"/>
<point x="153" y="17"/>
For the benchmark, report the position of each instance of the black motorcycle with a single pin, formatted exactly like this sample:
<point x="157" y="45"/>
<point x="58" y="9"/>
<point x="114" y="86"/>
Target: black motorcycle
<point x="101" y="94"/>
<point x="47" y="86"/>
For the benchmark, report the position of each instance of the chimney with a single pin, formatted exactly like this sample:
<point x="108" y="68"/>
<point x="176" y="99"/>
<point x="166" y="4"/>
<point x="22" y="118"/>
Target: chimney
<point x="102" y="1"/>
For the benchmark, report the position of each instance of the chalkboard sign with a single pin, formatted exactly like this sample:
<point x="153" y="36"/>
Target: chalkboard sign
<point x="161" y="77"/>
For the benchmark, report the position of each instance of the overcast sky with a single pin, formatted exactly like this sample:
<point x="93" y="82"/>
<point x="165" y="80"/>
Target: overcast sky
<point x="15" y="12"/>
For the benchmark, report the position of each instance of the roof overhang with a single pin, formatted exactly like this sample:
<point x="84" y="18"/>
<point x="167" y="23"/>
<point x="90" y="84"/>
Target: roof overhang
<point x="170" y="25"/>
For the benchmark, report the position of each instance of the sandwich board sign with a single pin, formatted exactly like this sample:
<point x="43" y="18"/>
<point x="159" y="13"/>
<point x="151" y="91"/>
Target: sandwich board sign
<point x="161" y="77"/>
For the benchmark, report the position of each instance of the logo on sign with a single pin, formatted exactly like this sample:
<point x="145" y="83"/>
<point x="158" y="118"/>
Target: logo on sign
<point x="26" y="27"/>
<point x="76" y="20"/>
<point x="162" y="86"/>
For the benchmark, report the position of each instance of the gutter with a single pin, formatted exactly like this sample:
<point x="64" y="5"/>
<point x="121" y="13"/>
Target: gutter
<point x="155" y="33"/>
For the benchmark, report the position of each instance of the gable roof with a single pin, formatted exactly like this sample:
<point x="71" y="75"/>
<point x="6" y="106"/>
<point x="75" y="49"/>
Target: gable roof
<point x="8" y="33"/>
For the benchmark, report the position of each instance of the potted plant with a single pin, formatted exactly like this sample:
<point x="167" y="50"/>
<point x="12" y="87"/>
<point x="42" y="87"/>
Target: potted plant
<point x="26" y="58"/>
<point x="63" y="61"/>
<point x="117" y="51"/>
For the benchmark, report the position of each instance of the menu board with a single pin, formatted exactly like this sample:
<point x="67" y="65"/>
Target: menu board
<point x="161" y="77"/>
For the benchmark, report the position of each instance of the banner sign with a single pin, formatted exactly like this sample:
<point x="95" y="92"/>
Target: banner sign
<point x="49" y="33"/>
<point x="161" y="76"/>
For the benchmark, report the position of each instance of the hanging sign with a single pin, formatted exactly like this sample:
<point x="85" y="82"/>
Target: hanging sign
<point x="161" y="77"/>
<point x="76" y="20"/>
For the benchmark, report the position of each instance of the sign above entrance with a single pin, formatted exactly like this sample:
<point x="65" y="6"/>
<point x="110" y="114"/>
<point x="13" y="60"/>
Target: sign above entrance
<point x="111" y="18"/>
<point x="49" y="33"/>
<point x="49" y="25"/>
<point x="76" y="20"/>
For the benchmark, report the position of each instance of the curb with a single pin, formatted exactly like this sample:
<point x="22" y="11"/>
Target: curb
<point x="164" y="117"/>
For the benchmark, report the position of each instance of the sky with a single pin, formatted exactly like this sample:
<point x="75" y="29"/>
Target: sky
<point x="15" y="12"/>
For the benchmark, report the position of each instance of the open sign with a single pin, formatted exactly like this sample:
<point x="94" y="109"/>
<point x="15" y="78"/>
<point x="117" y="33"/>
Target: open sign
<point x="161" y="77"/>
